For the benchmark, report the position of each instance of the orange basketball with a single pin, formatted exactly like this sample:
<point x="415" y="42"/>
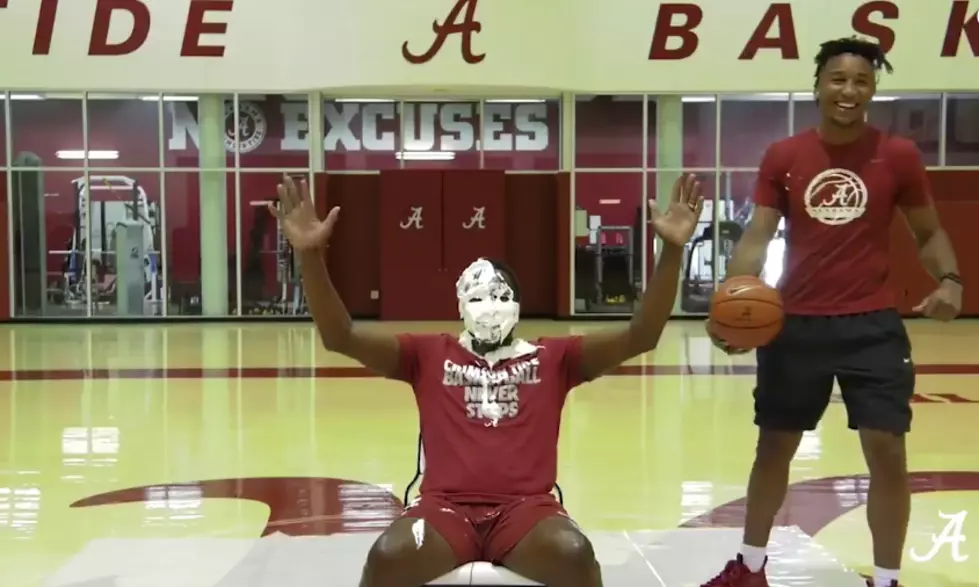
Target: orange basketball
<point x="745" y="312"/>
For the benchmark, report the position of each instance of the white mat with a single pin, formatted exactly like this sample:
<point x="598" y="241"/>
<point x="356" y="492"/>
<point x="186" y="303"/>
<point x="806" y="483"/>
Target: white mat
<point x="660" y="558"/>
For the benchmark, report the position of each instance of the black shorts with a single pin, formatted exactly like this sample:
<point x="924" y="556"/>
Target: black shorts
<point x="869" y="354"/>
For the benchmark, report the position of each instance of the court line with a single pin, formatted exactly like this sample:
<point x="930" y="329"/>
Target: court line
<point x="362" y="372"/>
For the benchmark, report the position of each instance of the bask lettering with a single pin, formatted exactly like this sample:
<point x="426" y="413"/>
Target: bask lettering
<point x="415" y="220"/>
<point x="451" y="26"/>
<point x="952" y="534"/>
<point x="478" y="220"/>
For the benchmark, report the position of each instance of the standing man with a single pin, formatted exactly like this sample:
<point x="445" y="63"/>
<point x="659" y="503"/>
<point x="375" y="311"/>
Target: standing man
<point x="837" y="186"/>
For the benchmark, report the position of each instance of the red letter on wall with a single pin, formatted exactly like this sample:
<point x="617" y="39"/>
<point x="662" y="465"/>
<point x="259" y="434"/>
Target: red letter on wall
<point x="45" y="27"/>
<point x="666" y="30"/>
<point x="785" y="41"/>
<point x="960" y="21"/>
<point x="196" y="27"/>
<point x="862" y="24"/>
<point x="99" y="42"/>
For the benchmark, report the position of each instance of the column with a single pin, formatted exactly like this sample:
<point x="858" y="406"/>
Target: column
<point x="567" y="164"/>
<point x="664" y="431"/>
<point x="567" y="133"/>
<point x="316" y="156"/>
<point x="669" y="155"/>
<point x="213" y="206"/>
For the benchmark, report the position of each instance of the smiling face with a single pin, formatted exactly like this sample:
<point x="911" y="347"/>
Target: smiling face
<point x="845" y="88"/>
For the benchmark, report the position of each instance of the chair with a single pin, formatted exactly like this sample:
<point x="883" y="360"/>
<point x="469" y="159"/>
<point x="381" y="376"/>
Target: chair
<point x="420" y="470"/>
<point x="485" y="574"/>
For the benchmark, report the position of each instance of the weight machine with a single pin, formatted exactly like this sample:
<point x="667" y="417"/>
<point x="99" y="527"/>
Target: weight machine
<point x="120" y="227"/>
<point x="290" y="299"/>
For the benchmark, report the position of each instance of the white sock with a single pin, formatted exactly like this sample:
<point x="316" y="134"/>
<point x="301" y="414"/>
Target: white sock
<point x="884" y="577"/>
<point x="754" y="557"/>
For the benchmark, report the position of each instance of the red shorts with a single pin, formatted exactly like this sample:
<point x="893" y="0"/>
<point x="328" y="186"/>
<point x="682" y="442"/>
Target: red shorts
<point x="484" y="532"/>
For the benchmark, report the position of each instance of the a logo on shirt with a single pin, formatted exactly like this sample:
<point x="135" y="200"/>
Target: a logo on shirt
<point x="484" y="387"/>
<point x="836" y="196"/>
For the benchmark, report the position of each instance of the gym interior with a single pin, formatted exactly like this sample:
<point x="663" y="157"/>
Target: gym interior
<point x="138" y="206"/>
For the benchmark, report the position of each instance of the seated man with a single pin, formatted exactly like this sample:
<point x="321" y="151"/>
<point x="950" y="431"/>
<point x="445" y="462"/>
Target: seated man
<point x="490" y="408"/>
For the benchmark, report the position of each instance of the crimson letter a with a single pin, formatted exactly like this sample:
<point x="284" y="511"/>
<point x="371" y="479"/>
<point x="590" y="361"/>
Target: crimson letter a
<point x="451" y="26"/>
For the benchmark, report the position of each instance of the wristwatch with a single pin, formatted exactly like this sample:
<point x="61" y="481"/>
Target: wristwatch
<point x="953" y="277"/>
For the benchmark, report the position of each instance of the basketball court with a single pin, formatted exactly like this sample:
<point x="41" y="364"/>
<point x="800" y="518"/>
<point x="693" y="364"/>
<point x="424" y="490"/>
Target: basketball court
<point x="245" y="455"/>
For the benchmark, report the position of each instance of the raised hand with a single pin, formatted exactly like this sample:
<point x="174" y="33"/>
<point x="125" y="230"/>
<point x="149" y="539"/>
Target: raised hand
<point x="298" y="218"/>
<point x="677" y="225"/>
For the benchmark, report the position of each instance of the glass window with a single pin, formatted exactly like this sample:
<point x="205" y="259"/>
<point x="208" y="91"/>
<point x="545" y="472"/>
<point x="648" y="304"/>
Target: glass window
<point x="608" y="131"/>
<point x="681" y="131"/>
<point x="269" y="275"/>
<point x="361" y="134"/>
<point x="735" y="192"/>
<point x="696" y="275"/>
<point x="199" y="131"/>
<point x="195" y="264"/>
<point x="962" y="130"/>
<point x="749" y="124"/>
<point x="123" y="130"/>
<point x="50" y="218"/>
<point x="805" y="112"/>
<point x="273" y="131"/>
<point x="443" y="135"/>
<point x="607" y="237"/>
<point x="49" y="128"/>
<point x="3" y="130"/>
<point x="522" y="134"/>
<point x="914" y="116"/>
<point x="121" y="211"/>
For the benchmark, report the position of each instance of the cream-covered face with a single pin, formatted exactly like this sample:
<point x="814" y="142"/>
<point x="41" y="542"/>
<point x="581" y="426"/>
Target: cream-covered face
<point x="486" y="303"/>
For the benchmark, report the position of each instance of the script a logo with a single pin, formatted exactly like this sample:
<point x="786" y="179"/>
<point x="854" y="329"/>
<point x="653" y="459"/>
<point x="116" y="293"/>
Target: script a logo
<point x="952" y="535"/>
<point x="452" y="25"/>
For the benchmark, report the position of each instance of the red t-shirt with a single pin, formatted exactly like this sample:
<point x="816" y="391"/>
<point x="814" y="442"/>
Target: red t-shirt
<point x="838" y="202"/>
<point x="466" y="457"/>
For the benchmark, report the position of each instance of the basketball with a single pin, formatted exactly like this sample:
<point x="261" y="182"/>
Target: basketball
<point x="745" y="312"/>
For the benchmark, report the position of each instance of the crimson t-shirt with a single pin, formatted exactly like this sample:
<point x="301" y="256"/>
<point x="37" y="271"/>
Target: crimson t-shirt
<point x="838" y="202"/>
<point x="467" y="458"/>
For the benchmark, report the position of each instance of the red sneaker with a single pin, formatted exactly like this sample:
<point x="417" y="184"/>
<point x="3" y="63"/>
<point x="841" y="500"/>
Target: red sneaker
<point x="736" y="574"/>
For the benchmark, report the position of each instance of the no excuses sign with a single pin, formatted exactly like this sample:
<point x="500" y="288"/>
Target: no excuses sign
<point x="595" y="46"/>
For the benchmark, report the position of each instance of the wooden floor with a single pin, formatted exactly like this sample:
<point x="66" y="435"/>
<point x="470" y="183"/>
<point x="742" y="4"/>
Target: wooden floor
<point x="160" y="455"/>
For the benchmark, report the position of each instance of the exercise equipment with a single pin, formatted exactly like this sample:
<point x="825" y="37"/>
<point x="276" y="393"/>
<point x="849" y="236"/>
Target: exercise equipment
<point x="614" y="260"/>
<point x="121" y="200"/>
<point x="289" y="299"/>
<point x="29" y="238"/>
<point x="698" y="281"/>
<point x="130" y="283"/>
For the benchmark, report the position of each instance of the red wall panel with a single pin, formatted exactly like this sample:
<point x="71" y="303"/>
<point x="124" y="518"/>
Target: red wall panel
<point x="958" y="209"/>
<point x="354" y="256"/>
<point x="414" y="283"/>
<point x="531" y="243"/>
<point x="563" y="209"/>
<point x="467" y="197"/>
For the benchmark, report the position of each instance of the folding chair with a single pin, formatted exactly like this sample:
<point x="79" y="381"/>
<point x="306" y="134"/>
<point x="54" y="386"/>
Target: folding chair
<point x="420" y="470"/>
<point x="484" y="574"/>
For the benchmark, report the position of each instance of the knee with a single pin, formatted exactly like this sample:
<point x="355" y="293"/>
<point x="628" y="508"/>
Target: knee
<point x="388" y="552"/>
<point x="776" y="448"/>
<point x="573" y="549"/>
<point x="885" y="453"/>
